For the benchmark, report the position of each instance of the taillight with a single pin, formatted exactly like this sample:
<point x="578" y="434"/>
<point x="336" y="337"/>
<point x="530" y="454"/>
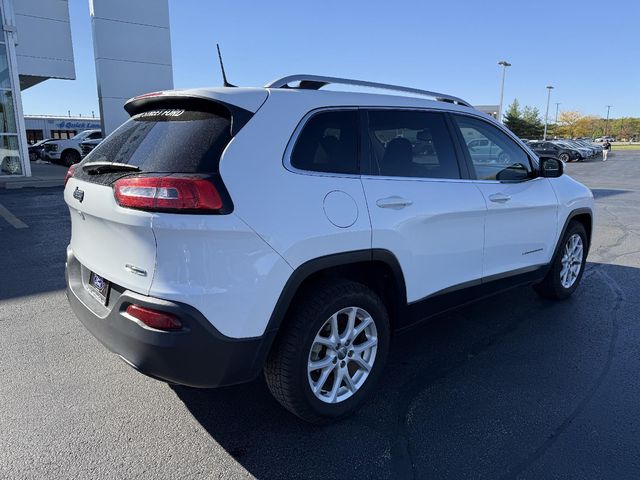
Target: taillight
<point x="168" y="194"/>
<point x="154" y="318"/>
<point x="69" y="174"/>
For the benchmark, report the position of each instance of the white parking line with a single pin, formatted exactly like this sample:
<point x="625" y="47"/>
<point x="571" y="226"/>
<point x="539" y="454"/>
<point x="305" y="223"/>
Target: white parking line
<point x="11" y="218"/>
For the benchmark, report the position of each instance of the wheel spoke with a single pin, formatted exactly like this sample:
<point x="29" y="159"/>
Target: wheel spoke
<point x="320" y="364"/>
<point x="350" y="324"/>
<point x="335" y="335"/>
<point x="323" y="379"/>
<point x="348" y="381"/>
<point x="363" y="324"/>
<point x="327" y="342"/>
<point x="563" y="272"/>
<point x="337" y="383"/>
<point x="361" y="363"/>
<point x="361" y="347"/>
<point x="578" y="252"/>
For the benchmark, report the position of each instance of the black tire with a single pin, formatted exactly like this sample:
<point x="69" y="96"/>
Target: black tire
<point x="564" y="157"/>
<point x="33" y="156"/>
<point x="286" y="368"/>
<point x="70" y="157"/>
<point x="551" y="286"/>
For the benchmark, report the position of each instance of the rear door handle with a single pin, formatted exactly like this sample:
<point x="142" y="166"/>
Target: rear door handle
<point x="499" y="197"/>
<point x="394" y="202"/>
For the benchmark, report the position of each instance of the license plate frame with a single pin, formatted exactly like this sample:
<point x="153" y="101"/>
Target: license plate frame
<point x="99" y="287"/>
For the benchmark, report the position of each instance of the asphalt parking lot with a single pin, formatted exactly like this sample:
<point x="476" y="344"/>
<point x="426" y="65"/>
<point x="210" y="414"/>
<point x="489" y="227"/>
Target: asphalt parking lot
<point x="512" y="387"/>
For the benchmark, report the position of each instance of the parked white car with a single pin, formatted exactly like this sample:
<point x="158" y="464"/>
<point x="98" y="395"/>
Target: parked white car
<point x="68" y="151"/>
<point x="224" y="232"/>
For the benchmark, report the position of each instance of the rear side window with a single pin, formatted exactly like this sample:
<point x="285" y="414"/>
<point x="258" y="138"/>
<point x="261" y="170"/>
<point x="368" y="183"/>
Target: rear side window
<point x="328" y="143"/>
<point x="168" y="140"/>
<point x="410" y="143"/>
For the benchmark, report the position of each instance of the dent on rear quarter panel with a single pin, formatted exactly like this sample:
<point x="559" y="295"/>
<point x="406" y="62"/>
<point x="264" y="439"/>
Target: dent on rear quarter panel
<point x="220" y="266"/>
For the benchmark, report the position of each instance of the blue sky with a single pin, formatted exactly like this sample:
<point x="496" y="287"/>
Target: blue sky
<point x="591" y="56"/>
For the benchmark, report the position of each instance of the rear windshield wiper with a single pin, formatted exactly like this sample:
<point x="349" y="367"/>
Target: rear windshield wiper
<point x="94" y="168"/>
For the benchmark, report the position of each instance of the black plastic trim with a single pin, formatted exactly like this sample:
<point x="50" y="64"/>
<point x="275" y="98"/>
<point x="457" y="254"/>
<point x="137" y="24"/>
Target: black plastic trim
<point x="571" y="216"/>
<point x="198" y="355"/>
<point x="471" y="292"/>
<point x="316" y="265"/>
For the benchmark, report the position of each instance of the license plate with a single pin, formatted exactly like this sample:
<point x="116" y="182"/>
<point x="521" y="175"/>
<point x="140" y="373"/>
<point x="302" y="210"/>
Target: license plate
<point x="99" y="287"/>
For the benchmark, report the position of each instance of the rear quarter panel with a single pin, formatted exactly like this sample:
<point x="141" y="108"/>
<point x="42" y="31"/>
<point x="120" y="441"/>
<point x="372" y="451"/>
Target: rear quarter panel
<point x="287" y="209"/>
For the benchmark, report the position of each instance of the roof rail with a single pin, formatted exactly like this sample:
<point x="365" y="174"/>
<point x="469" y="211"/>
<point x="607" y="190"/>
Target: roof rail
<point x="316" y="82"/>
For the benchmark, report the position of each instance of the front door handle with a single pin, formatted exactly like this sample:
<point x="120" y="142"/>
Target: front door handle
<point x="393" y="202"/>
<point x="499" y="197"/>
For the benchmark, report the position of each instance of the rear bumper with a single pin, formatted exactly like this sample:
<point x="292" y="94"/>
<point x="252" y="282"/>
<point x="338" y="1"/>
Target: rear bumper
<point x="196" y="356"/>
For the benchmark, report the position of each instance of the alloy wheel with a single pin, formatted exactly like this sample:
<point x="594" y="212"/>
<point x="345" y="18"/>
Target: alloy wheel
<point x="342" y="355"/>
<point x="571" y="260"/>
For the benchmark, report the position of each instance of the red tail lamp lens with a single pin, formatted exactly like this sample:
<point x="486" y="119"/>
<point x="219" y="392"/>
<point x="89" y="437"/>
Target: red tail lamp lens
<point x="167" y="194"/>
<point x="69" y="174"/>
<point x="154" y="318"/>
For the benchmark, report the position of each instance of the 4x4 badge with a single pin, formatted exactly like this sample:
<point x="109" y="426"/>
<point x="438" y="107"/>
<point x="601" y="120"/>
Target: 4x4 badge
<point x="78" y="194"/>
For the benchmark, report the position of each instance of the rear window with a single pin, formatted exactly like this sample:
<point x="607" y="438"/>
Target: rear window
<point x="328" y="143"/>
<point x="168" y="140"/>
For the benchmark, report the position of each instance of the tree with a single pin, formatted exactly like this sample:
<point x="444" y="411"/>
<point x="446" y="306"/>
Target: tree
<point x="533" y="122"/>
<point x="568" y="121"/>
<point x="524" y="123"/>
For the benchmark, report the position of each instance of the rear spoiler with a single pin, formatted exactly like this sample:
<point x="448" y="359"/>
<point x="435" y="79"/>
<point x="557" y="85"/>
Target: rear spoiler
<point x="151" y="101"/>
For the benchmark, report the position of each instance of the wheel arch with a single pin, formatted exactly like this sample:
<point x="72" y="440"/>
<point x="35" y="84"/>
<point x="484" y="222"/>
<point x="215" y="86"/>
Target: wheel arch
<point x="378" y="269"/>
<point x="582" y="215"/>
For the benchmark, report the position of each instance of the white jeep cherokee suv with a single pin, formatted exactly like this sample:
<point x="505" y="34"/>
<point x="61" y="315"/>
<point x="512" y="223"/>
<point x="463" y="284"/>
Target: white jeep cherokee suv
<point x="223" y="232"/>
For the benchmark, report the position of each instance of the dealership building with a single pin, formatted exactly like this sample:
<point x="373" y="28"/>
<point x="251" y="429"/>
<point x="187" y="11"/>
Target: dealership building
<point x="132" y="50"/>
<point x="39" y="127"/>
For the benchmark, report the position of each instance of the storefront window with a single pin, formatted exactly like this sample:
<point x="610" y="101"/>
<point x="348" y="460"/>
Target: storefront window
<point x="10" y="163"/>
<point x="5" y="79"/>
<point x="9" y="155"/>
<point x="7" y="113"/>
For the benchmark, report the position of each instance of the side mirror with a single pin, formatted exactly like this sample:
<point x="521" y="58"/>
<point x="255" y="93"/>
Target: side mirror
<point x="551" y="167"/>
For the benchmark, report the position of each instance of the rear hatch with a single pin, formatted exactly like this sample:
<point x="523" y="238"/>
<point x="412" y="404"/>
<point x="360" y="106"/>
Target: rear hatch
<point x="166" y="140"/>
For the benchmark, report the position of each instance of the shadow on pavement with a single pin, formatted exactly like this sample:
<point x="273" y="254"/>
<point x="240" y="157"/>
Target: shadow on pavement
<point x="477" y="392"/>
<point x="603" y="192"/>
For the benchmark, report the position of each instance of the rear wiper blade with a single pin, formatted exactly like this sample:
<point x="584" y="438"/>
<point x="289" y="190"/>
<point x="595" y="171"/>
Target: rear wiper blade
<point x="104" y="167"/>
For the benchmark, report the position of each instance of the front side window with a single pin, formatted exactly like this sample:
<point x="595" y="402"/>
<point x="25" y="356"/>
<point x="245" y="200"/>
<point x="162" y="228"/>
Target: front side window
<point x="493" y="154"/>
<point x="410" y="143"/>
<point x="328" y="143"/>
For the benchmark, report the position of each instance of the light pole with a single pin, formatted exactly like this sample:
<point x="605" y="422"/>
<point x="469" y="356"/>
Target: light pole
<point x="546" y="115"/>
<point x="606" y="123"/>
<point x="555" y="123"/>
<point x="504" y="65"/>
